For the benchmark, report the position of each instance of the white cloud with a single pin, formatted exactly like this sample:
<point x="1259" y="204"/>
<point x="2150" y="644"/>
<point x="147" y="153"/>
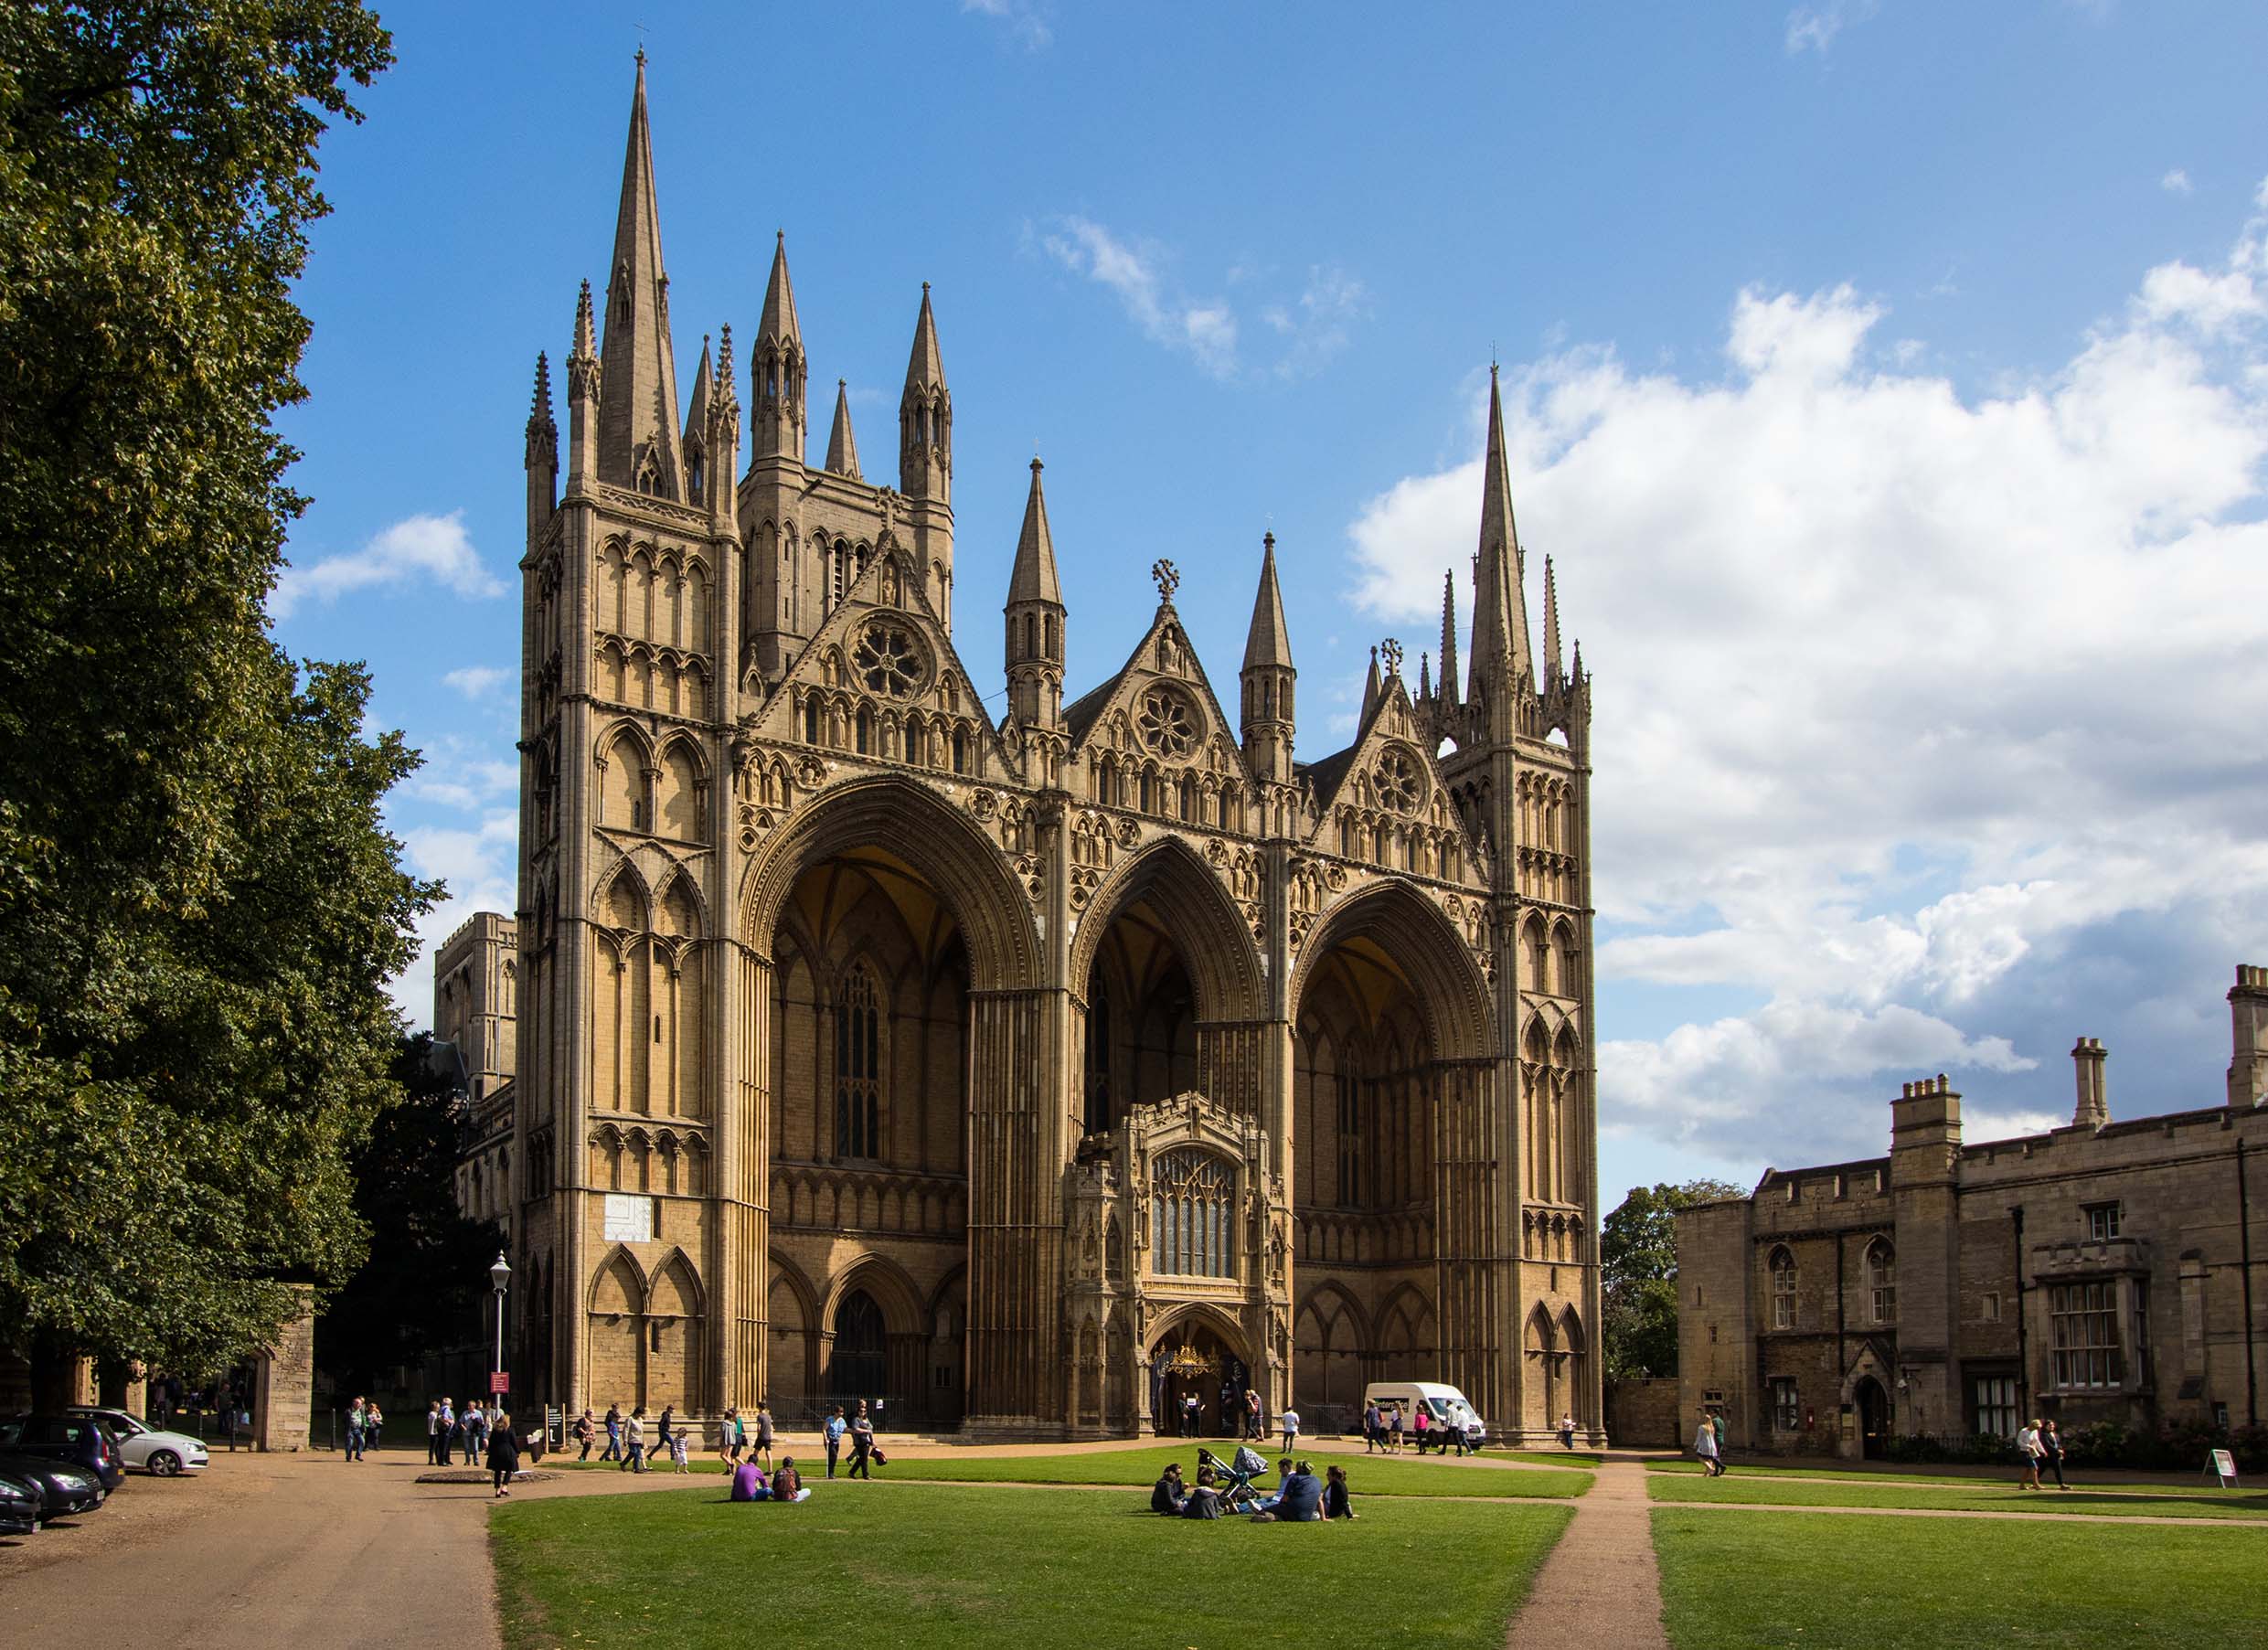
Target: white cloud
<point x="480" y="866"/>
<point x="1814" y="27"/>
<point x="1026" y="20"/>
<point x="2176" y="182"/>
<point x="417" y="547"/>
<point x="1921" y="712"/>
<point x="477" y="681"/>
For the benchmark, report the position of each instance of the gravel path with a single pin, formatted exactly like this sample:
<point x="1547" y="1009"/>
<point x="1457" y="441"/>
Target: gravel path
<point x="1600" y="1589"/>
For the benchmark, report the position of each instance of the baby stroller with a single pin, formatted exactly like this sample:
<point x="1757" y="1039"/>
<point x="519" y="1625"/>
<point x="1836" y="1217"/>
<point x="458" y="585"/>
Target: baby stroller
<point x="1236" y="1475"/>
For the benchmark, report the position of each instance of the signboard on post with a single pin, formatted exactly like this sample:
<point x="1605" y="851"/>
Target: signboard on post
<point x="2223" y="1466"/>
<point x="499" y="1383"/>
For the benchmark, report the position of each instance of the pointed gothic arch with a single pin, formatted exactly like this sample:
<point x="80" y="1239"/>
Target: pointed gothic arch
<point x="1210" y="934"/>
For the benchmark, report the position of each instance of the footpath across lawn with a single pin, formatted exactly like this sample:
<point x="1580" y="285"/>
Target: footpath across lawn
<point x="2127" y="1501"/>
<point x="858" y="1567"/>
<point x="1746" y="1581"/>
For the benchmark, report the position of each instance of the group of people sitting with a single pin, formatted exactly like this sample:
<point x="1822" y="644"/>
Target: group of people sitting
<point x="751" y="1483"/>
<point x="1300" y="1498"/>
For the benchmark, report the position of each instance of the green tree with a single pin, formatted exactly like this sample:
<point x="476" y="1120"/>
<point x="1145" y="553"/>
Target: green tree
<point x="426" y="1282"/>
<point x="1638" y="1272"/>
<point x="199" y="905"/>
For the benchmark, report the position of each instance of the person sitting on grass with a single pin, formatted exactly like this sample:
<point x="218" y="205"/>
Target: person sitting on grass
<point x="1204" y="1501"/>
<point x="1300" y="1499"/>
<point x="1335" y="1502"/>
<point x="748" y="1483"/>
<point x="1167" y="1494"/>
<point x="787" y="1484"/>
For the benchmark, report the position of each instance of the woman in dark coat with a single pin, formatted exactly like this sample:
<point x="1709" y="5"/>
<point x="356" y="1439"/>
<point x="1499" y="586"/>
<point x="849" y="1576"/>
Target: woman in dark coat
<point x="503" y="1453"/>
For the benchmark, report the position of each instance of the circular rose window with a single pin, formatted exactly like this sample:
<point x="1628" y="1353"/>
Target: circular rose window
<point x="1399" y="787"/>
<point x="888" y="660"/>
<point x="1168" y="722"/>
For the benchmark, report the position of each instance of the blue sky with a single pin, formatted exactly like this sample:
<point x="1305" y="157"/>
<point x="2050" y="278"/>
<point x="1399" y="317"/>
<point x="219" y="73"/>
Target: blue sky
<point x="1887" y="383"/>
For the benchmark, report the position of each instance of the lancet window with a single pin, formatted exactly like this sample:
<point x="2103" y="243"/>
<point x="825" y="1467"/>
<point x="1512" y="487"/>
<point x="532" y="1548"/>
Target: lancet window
<point x="857" y="1068"/>
<point x="1193" y="1203"/>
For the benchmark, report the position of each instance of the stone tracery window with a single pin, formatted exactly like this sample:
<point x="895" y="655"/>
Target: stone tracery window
<point x="1783" y="1289"/>
<point x="1397" y="782"/>
<point x="1881" y="1269"/>
<point x="1168" y="721"/>
<point x="1193" y="1203"/>
<point x="857" y="1067"/>
<point x="887" y="659"/>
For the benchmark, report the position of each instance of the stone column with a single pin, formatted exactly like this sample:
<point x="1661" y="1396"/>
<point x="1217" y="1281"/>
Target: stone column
<point x="1472" y="1246"/>
<point x="744" y="1191"/>
<point x="283" y="1393"/>
<point x="1016" y="1220"/>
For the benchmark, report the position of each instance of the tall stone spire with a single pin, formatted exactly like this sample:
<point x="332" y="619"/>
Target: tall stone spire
<point x="1034" y="614"/>
<point x="543" y="455"/>
<point x="1550" y="626"/>
<point x="1501" y="659"/>
<point x="1372" y="687"/>
<point x="584" y="381"/>
<point x="842" y="445"/>
<point x="695" y="450"/>
<point x="1270" y="681"/>
<point x="777" y="367"/>
<point x="1449" y="639"/>
<point x="638" y="417"/>
<point x="926" y="416"/>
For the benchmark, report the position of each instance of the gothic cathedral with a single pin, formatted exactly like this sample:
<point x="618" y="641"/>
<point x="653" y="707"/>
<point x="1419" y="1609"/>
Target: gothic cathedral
<point x="1029" y="1075"/>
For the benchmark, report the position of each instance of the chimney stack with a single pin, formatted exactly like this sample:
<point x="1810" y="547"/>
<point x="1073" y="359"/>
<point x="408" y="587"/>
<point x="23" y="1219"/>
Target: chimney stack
<point x="2093" y="1110"/>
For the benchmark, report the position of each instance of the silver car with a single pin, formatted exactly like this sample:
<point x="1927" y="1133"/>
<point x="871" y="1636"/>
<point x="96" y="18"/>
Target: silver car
<point x="142" y="1448"/>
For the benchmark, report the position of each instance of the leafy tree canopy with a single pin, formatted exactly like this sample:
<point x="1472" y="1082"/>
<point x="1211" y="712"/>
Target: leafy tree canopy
<point x="1638" y="1269"/>
<point x="198" y="903"/>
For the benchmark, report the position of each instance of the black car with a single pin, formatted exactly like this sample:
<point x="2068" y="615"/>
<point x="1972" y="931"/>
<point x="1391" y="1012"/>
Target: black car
<point x="72" y="1439"/>
<point x="68" y="1488"/>
<point x="19" y="1507"/>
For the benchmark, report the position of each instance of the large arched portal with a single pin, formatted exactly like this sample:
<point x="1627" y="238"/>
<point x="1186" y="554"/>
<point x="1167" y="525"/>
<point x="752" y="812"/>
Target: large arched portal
<point x="1392" y="1116"/>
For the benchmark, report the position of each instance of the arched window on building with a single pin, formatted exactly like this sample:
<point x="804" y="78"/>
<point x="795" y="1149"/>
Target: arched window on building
<point x="857" y="1067"/>
<point x="960" y="750"/>
<point x="1881" y="1269"/>
<point x="811" y="720"/>
<point x="1349" y="1137"/>
<point x="1783" y="1289"/>
<point x="1193" y="1203"/>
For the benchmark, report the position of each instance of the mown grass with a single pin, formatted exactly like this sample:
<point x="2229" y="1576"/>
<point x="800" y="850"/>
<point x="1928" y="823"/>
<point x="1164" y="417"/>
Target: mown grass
<point x="858" y="1567"/>
<point x="1745" y="1580"/>
<point x="2079" y="1476"/>
<point x="2142" y="1500"/>
<point x="1139" y="1468"/>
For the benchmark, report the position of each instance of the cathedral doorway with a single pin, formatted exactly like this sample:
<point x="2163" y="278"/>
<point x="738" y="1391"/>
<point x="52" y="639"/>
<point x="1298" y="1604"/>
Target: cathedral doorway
<point x="859" y="1367"/>
<point x="1873" y="1405"/>
<point x="1194" y="1361"/>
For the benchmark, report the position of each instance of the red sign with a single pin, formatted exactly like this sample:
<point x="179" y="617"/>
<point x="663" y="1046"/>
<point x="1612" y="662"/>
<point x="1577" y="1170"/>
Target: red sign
<point x="499" y="1382"/>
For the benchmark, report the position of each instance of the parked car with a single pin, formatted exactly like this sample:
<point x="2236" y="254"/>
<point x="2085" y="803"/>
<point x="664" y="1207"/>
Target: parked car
<point x="73" y="1440"/>
<point x="143" y="1448"/>
<point x="19" y="1507"/>
<point x="64" y="1490"/>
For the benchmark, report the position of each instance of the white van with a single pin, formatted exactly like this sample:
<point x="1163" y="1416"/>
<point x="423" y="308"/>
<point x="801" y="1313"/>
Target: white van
<point x="1445" y="1406"/>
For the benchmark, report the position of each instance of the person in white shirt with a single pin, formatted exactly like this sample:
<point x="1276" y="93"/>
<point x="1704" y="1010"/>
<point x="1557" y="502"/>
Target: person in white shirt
<point x="2028" y="1445"/>
<point x="1705" y="1445"/>
<point x="1289" y="1419"/>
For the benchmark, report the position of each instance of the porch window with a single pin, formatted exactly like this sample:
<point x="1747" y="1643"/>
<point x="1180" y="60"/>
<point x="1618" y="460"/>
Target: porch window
<point x="2082" y="1320"/>
<point x="1193" y="1209"/>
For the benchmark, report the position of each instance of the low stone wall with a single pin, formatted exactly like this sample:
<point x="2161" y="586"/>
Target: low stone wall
<point x="1642" y="1414"/>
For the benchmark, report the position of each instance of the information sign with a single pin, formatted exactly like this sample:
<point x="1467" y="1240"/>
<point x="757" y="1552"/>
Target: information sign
<point x="2223" y="1466"/>
<point x="499" y="1382"/>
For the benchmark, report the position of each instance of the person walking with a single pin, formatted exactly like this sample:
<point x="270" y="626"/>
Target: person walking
<point x="448" y="1428"/>
<point x="1251" y="1414"/>
<point x="661" y="1439"/>
<point x="1289" y="1422"/>
<point x="1420" y="1427"/>
<point x="504" y="1454"/>
<point x="1705" y="1445"/>
<point x="586" y="1434"/>
<point x="728" y="1439"/>
<point x="763" y="1430"/>
<point x="861" y="1444"/>
<point x="634" y="1435"/>
<point x="2028" y="1446"/>
<point x="1717" y="1421"/>
<point x="832" y="1435"/>
<point x="1373" y="1431"/>
<point x="373" y="1421"/>
<point x="354" y="1431"/>
<point x="476" y="1431"/>
<point x="1394" y="1429"/>
<point x="613" y="1433"/>
<point x="678" y="1442"/>
<point x="1567" y="1432"/>
<point x="2051" y="1453"/>
<point x="433" y="1433"/>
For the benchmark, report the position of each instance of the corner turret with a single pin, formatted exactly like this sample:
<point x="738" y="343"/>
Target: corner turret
<point x="1270" y="681"/>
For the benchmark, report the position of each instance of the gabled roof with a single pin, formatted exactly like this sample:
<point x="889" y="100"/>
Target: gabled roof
<point x="1392" y="719"/>
<point x="1092" y="709"/>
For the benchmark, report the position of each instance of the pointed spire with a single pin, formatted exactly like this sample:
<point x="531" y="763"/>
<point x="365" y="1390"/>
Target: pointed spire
<point x="1449" y="638"/>
<point x="638" y="416"/>
<point x="1550" y="626"/>
<point x="842" y="446"/>
<point x="1425" y="674"/>
<point x="926" y="416"/>
<point x="586" y="333"/>
<point x="1268" y="642"/>
<point x="925" y="367"/>
<point x="583" y="383"/>
<point x="727" y="395"/>
<point x="704" y="388"/>
<point x="1034" y="578"/>
<point x="1500" y="648"/>
<point x="539" y="411"/>
<point x="779" y="324"/>
<point x="1373" y="687"/>
<point x="543" y="455"/>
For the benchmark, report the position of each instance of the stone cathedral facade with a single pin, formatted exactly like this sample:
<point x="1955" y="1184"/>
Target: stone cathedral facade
<point x="1026" y="1073"/>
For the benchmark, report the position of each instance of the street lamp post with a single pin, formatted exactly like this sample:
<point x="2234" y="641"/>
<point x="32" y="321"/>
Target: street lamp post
<point x="500" y="1274"/>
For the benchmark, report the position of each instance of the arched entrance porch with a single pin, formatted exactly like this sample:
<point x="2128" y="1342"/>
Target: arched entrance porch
<point x="1199" y="1371"/>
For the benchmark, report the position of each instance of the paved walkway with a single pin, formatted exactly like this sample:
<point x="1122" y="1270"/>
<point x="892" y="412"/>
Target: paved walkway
<point x="1600" y="1589"/>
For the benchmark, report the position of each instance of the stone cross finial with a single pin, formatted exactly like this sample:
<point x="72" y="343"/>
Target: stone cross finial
<point x="1390" y="651"/>
<point x="1169" y="577"/>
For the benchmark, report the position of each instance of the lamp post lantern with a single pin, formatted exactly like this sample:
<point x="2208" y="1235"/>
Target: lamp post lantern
<point x="500" y="1274"/>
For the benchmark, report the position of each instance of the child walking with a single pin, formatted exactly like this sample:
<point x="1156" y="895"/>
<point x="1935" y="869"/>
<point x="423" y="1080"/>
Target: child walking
<point x="677" y="1462"/>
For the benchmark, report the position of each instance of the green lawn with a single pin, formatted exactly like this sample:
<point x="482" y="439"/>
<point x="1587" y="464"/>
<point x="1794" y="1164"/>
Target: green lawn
<point x="859" y="1568"/>
<point x="2129" y="1501"/>
<point x="1745" y="1580"/>
<point x="1370" y="1475"/>
<point x="2175" y="1485"/>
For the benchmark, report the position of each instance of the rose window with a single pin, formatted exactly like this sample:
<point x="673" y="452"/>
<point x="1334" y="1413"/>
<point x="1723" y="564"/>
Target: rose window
<point x="888" y="660"/>
<point x="1398" y="783"/>
<point x="1169" y="725"/>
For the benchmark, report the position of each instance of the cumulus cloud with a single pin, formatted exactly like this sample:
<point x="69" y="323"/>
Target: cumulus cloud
<point x="477" y="681"/>
<point x="1026" y="21"/>
<point x="415" y="547"/>
<point x="1915" y="704"/>
<point x="1309" y="327"/>
<point x="480" y="865"/>
<point x="2176" y="182"/>
<point x="1814" y="27"/>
